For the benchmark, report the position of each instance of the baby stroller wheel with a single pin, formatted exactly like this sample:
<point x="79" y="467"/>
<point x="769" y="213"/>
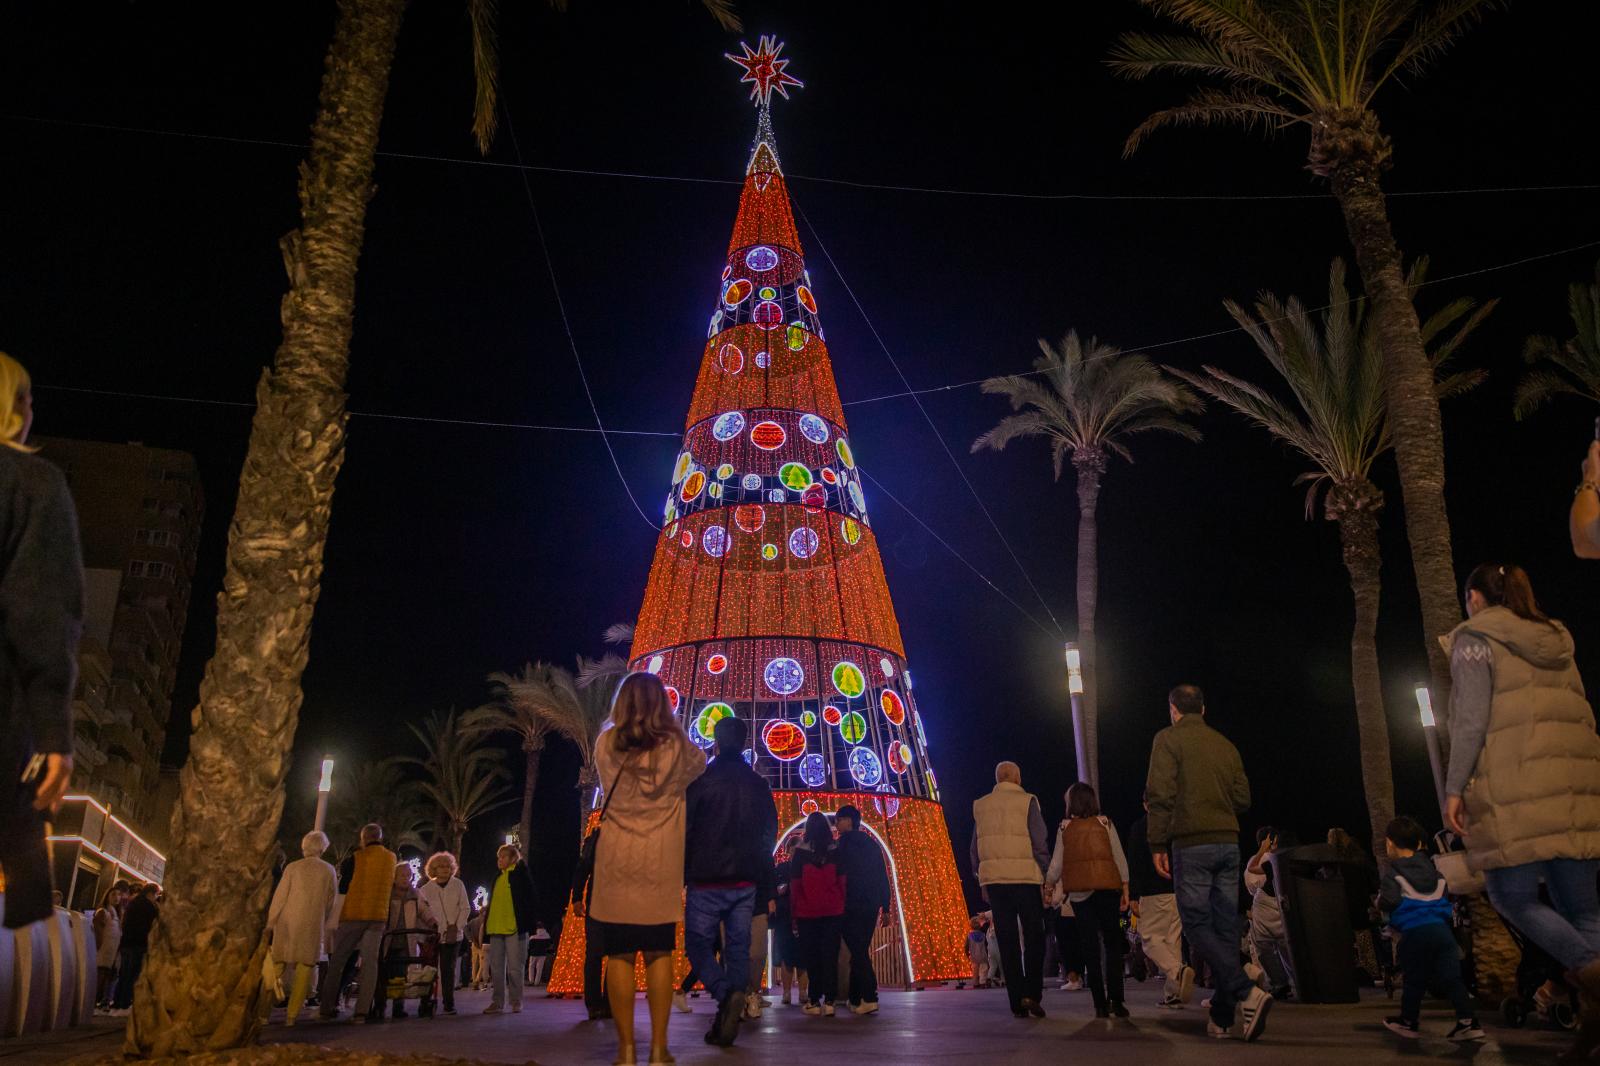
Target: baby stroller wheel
<point x="1515" y="1012"/>
<point x="1563" y="1015"/>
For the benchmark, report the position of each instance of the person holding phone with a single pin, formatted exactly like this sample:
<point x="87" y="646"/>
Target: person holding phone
<point x="41" y="617"/>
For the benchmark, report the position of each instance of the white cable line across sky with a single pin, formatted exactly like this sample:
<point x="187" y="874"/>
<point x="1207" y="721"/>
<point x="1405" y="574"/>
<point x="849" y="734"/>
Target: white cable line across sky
<point x="566" y="324"/>
<point x="977" y="498"/>
<point x="843" y="182"/>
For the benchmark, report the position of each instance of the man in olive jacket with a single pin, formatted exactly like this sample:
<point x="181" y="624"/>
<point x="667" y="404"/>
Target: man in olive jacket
<point x="1197" y="790"/>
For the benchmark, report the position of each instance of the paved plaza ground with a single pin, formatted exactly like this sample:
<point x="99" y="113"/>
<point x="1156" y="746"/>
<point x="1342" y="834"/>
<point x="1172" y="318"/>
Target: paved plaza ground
<point x="936" y="1026"/>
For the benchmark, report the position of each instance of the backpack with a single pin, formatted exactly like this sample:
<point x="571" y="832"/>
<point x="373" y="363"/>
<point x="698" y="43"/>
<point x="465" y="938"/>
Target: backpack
<point x="819" y="890"/>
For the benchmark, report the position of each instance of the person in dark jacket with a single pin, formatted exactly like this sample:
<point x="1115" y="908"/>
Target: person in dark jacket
<point x="731" y="826"/>
<point x="1412" y="896"/>
<point x="866" y="904"/>
<point x="1196" y="790"/>
<point x="41" y="610"/>
<point x="787" y="966"/>
<point x="513" y="914"/>
<point x="137" y="922"/>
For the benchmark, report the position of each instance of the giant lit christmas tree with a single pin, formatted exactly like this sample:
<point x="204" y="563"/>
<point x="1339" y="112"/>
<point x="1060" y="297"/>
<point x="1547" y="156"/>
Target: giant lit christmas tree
<point x="767" y="598"/>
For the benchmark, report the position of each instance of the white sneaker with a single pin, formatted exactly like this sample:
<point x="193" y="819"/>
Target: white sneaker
<point x="864" y="1008"/>
<point x="811" y="1008"/>
<point x="680" y="1002"/>
<point x="827" y="1010"/>
<point x="1253" y="1012"/>
<point x="1072" y="984"/>
<point x="1217" y="1032"/>
<point x="1186" y="984"/>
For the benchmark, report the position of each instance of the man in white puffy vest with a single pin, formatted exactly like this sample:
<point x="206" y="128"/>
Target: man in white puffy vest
<point x="1010" y="852"/>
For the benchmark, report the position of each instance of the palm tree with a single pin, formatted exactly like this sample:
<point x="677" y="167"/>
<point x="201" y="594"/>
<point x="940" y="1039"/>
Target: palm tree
<point x="1320" y="63"/>
<point x="1334" y="418"/>
<point x="194" y="994"/>
<point x="536" y="704"/>
<point x="597" y="685"/>
<point x="1087" y="401"/>
<point x="1571" y="366"/>
<point x="461" y="777"/>
<point x="377" y="792"/>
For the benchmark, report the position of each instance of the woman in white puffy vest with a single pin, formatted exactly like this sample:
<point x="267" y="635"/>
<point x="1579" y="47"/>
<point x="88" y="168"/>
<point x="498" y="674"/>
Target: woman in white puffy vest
<point x="1524" y="783"/>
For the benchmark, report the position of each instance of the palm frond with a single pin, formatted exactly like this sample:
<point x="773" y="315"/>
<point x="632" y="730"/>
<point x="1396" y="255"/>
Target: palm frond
<point x="1216" y="107"/>
<point x="1570" y="366"/>
<point x="484" y="16"/>
<point x="724" y="11"/>
<point x="1432" y="34"/>
<point x="618" y="633"/>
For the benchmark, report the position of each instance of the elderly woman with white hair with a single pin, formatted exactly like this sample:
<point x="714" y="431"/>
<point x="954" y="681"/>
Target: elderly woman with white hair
<point x="301" y="909"/>
<point x="446" y="898"/>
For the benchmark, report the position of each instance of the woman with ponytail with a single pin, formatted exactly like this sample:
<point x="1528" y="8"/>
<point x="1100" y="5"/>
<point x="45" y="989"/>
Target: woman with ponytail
<point x="41" y="614"/>
<point x="1523" y="788"/>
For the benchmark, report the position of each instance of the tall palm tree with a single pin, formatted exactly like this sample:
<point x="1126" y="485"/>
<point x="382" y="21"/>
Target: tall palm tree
<point x="1087" y="400"/>
<point x="378" y="792"/>
<point x="1571" y="366"/>
<point x="540" y="702"/>
<point x="597" y="685"/>
<point x="1334" y="417"/>
<point x="460" y="776"/>
<point x="1319" y="64"/>
<point x="194" y="994"/>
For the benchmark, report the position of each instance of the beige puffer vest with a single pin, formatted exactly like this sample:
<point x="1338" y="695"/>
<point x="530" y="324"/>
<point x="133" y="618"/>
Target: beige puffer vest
<point x="1535" y="790"/>
<point x="1005" y="847"/>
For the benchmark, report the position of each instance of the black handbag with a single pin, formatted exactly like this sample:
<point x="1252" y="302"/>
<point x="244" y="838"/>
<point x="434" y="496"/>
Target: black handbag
<point x="584" y="875"/>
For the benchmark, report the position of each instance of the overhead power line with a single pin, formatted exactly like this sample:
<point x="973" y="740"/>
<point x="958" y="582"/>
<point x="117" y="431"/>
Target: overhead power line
<point x="999" y="194"/>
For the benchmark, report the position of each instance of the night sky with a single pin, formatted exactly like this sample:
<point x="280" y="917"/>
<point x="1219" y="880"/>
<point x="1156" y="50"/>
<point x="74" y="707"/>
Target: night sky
<point x="143" y="263"/>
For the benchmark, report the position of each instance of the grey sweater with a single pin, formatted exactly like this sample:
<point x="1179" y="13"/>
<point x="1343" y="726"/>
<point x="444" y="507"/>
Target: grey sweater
<point x="1471" y="695"/>
<point x="41" y="603"/>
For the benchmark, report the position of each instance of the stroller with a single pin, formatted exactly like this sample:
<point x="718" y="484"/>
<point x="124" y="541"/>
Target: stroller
<point x="402" y="975"/>
<point x="1533" y="970"/>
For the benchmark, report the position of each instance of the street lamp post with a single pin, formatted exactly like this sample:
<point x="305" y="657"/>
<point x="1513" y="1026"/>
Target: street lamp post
<point x="1075" y="690"/>
<point x="324" y="786"/>
<point x="1430" y="730"/>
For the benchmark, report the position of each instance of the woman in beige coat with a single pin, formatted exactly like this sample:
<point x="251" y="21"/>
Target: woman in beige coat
<point x="1524" y="783"/>
<point x="636" y="899"/>
<point x="302" y="907"/>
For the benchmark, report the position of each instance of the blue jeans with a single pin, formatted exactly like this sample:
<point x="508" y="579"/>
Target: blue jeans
<point x="1568" y="927"/>
<point x="1205" y="878"/>
<point x="705" y="909"/>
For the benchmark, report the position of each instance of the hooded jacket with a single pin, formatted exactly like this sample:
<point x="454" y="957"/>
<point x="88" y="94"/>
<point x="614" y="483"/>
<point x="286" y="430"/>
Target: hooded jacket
<point x="1413" y="893"/>
<point x="1534" y="793"/>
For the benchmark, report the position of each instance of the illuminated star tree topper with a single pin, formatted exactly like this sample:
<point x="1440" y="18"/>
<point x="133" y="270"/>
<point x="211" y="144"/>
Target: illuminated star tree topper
<point x="765" y="70"/>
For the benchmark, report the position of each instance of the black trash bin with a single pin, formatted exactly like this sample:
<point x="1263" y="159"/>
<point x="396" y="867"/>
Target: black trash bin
<point x="1310" y="882"/>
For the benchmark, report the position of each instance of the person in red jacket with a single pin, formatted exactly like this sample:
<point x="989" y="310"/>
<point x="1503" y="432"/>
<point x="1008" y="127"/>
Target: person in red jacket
<point x="816" y="901"/>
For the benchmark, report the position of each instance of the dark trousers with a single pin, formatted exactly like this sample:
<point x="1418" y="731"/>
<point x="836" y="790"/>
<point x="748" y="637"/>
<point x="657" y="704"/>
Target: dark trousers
<point x="594" y="965"/>
<point x="1100" y="930"/>
<point x="447" y="973"/>
<point x="1428" y="953"/>
<point x="22" y="847"/>
<point x="819" y="948"/>
<point x="857" y="931"/>
<point x="1022" y="961"/>
<point x="131" y="963"/>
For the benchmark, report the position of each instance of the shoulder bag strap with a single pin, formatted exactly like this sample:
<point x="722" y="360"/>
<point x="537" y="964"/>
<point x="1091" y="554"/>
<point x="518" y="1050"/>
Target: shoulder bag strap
<point x="612" y="791"/>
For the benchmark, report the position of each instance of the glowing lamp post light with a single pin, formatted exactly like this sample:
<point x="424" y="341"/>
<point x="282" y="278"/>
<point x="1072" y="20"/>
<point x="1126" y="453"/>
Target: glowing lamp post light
<point x="1430" y="730"/>
<point x="1075" y="690"/>
<point x="324" y="786"/>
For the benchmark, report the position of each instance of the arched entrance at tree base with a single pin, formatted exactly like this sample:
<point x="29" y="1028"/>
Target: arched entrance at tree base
<point x="932" y="912"/>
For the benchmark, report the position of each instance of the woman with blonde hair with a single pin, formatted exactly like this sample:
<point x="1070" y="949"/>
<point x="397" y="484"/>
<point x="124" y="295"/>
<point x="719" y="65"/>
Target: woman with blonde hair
<point x="446" y="899"/>
<point x="41" y="599"/>
<point x="302" y="906"/>
<point x="646" y="761"/>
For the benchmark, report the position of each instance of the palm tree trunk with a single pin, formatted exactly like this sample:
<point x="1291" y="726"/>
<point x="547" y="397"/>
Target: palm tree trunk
<point x="1090" y="465"/>
<point x="1358" y="534"/>
<point x="534" y="747"/>
<point x="202" y="988"/>
<point x="1357" y="154"/>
